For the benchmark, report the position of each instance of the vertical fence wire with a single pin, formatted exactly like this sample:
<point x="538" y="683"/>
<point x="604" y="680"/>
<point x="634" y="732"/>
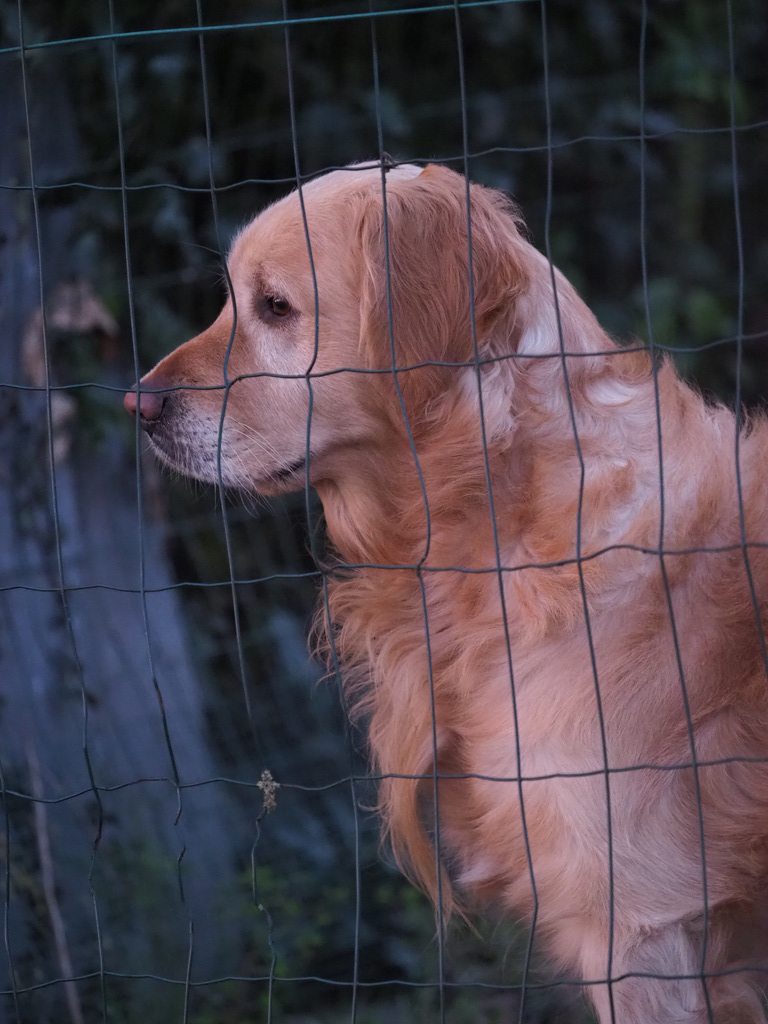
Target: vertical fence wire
<point x="311" y="531"/>
<point x="499" y="566"/>
<point x="233" y="584"/>
<point x="61" y="588"/>
<point x="7" y="897"/>
<point x="177" y="782"/>
<point x="434" y="778"/>
<point x="662" y="520"/>
<point x="606" y="771"/>
<point x="740" y="301"/>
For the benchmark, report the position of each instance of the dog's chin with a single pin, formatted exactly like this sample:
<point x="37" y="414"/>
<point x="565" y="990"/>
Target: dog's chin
<point x="214" y="467"/>
<point x="196" y="466"/>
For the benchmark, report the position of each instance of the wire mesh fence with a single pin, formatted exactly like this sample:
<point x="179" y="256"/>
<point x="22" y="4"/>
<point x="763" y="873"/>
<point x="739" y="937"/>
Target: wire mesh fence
<point x="188" y="826"/>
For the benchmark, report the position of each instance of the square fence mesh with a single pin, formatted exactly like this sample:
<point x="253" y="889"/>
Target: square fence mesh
<point x="189" y="829"/>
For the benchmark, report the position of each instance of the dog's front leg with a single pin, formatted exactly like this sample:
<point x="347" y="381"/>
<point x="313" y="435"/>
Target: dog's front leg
<point x="657" y="977"/>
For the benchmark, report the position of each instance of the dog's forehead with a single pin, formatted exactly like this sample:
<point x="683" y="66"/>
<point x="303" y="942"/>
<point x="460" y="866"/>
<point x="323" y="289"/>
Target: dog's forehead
<point x="319" y="216"/>
<point x="283" y="234"/>
<point x="276" y="231"/>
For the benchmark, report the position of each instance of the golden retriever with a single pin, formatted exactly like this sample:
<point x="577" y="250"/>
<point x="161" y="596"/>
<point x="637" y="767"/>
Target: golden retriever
<point x="551" y="574"/>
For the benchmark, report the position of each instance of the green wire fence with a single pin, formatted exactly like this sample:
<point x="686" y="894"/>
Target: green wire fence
<point x="187" y="832"/>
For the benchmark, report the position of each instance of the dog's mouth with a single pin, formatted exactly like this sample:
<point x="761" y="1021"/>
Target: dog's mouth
<point x="292" y="469"/>
<point x="188" y="449"/>
<point x="290" y="477"/>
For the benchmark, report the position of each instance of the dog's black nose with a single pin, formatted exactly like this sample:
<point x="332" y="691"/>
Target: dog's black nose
<point x="148" y="405"/>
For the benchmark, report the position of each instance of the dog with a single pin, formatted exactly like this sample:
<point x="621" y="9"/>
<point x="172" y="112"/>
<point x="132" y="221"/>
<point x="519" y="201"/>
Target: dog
<point x="552" y="576"/>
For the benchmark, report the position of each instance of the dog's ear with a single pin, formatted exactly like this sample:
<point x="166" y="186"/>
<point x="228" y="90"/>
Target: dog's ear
<point x="417" y="305"/>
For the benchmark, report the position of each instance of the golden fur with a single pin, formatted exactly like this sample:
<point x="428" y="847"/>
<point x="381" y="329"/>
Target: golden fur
<point x="507" y="623"/>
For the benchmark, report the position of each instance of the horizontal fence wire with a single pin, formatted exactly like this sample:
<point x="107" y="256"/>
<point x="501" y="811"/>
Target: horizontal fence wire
<point x="455" y="158"/>
<point x="237" y="905"/>
<point x="284" y="22"/>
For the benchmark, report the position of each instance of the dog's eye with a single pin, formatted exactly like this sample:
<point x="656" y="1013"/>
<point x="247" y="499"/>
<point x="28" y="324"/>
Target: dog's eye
<point x="277" y="306"/>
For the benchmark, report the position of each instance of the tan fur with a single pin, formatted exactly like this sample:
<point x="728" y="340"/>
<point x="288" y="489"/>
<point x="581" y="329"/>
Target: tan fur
<point x="510" y="714"/>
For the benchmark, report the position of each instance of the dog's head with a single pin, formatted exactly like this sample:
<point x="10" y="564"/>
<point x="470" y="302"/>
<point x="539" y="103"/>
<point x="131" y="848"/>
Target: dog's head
<point x="331" y="288"/>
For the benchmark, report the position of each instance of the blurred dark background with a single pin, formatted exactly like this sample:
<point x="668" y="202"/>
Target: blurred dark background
<point x="152" y="637"/>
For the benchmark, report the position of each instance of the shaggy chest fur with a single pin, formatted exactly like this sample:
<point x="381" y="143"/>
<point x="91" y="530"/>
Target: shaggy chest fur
<point x="515" y="713"/>
<point x="504" y="737"/>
